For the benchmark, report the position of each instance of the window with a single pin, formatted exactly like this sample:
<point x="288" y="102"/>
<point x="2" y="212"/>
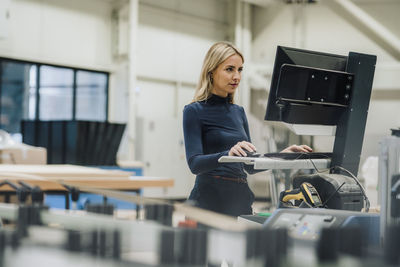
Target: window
<point x="56" y="93"/>
<point x="91" y="96"/>
<point x="32" y="91"/>
<point x="14" y="95"/>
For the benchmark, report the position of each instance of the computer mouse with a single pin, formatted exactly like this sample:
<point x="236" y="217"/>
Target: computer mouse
<point x="252" y="154"/>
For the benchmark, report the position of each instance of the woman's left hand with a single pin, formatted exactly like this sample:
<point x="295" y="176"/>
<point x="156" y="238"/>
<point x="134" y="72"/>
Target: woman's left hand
<point x="296" y="148"/>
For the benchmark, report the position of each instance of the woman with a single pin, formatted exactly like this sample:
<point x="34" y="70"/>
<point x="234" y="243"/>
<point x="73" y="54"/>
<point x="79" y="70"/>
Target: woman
<point x="214" y="127"/>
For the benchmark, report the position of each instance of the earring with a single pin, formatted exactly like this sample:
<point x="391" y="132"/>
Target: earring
<point x="211" y="78"/>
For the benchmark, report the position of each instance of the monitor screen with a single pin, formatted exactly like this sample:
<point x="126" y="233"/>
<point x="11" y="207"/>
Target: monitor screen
<point x="308" y="87"/>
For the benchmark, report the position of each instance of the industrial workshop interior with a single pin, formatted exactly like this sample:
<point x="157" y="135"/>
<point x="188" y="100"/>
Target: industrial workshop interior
<point x="214" y="133"/>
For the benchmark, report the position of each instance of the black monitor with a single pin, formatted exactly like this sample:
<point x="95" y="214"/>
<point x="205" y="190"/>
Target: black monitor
<point x="311" y="87"/>
<point x="308" y="87"/>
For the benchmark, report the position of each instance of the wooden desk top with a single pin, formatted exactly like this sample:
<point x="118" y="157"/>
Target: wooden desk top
<point x="48" y="177"/>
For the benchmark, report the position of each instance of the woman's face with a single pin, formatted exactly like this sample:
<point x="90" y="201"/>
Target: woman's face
<point x="227" y="75"/>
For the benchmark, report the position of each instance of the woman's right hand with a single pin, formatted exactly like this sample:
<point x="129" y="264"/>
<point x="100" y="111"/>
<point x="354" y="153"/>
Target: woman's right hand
<point x="240" y="147"/>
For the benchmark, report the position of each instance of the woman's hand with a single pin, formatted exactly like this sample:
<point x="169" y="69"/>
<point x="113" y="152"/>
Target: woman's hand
<point x="240" y="147"/>
<point x="296" y="148"/>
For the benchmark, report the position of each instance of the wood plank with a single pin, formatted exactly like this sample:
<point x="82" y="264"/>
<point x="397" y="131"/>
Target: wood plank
<point x="50" y="177"/>
<point x="62" y="170"/>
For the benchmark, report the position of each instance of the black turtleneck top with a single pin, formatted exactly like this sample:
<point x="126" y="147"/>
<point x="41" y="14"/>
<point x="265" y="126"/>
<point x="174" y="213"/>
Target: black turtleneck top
<point x="211" y="128"/>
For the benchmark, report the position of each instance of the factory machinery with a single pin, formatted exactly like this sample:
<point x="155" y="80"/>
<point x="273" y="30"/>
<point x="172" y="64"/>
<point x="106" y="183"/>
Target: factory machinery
<point x="34" y="234"/>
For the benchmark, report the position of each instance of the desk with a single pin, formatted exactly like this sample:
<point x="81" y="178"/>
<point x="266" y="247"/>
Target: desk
<point x="48" y="178"/>
<point x="276" y="163"/>
<point x="264" y="163"/>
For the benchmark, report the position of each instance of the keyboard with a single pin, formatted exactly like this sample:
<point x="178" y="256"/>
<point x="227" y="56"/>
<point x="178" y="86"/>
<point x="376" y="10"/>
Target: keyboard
<point x="299" y="155"/>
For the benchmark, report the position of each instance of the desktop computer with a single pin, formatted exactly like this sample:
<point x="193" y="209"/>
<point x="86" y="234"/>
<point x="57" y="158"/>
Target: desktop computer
<point x="315" y="88"/>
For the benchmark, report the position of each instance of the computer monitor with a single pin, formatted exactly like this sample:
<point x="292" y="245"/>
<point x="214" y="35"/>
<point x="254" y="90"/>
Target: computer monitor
<point x="308" y="87"/>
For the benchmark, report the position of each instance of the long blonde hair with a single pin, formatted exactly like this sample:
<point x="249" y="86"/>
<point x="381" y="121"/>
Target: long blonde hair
<point x="217" y="54"/>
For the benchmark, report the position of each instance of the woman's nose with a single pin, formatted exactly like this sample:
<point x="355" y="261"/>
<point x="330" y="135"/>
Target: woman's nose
<point x="236" y="75"/>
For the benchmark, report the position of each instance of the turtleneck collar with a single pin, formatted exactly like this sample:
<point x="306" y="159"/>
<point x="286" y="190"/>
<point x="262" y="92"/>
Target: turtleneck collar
<point x="216" y="99"/>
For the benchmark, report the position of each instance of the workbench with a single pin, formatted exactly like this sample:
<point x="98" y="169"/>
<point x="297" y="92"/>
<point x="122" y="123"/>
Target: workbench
<point x="50" y="178"/>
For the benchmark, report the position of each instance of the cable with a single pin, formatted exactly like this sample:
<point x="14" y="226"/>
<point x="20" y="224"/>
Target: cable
<point x="326" y="201"/>
<point x="312" y="162"/>
<point x="315" y="167"/>
<point x="367" y="203"/>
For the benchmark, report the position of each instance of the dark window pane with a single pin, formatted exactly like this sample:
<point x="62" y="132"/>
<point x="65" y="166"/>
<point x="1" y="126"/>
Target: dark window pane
<point x="91" y="96"/>
<point x="15" y="95"/>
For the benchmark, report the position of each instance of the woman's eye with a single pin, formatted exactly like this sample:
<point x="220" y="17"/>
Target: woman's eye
<point x="240" y="69"/>
<point x="229" y="69"/>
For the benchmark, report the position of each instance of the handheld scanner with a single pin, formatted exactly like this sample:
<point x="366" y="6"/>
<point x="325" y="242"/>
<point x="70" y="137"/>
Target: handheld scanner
<point x="306" y="192"/>
<point x="311" y="195"/>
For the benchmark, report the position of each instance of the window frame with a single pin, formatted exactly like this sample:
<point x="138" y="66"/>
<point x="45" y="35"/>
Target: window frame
<point x="74" y="83"/>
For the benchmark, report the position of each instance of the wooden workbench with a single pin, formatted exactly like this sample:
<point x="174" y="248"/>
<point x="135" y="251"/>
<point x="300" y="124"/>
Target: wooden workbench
<point x="48" y="177"/>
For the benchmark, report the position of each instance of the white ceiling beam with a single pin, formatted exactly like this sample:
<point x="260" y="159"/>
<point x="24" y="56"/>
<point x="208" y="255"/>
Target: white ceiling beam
<point x="366" y="24"/>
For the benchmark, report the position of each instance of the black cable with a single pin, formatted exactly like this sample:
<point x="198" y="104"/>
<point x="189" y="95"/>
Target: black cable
<point x="312" y="162"/>
<point x="300" y="156"/>
<point x="315" y="167"/>
<point x="326" y="201"/>
<point x="367" y="203"/>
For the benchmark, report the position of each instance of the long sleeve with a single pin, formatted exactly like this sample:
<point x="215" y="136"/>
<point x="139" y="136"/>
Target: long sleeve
<point x="248" y="168"/>
<point x="192" y="130"/>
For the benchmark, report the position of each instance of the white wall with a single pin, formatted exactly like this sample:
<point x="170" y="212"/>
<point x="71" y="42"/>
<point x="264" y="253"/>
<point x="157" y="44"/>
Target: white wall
<point x="67" y="32"/>
<point x="172" y="41"/>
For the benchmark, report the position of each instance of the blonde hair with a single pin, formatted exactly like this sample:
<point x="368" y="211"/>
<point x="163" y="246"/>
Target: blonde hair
<point x="217" y="54"/>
